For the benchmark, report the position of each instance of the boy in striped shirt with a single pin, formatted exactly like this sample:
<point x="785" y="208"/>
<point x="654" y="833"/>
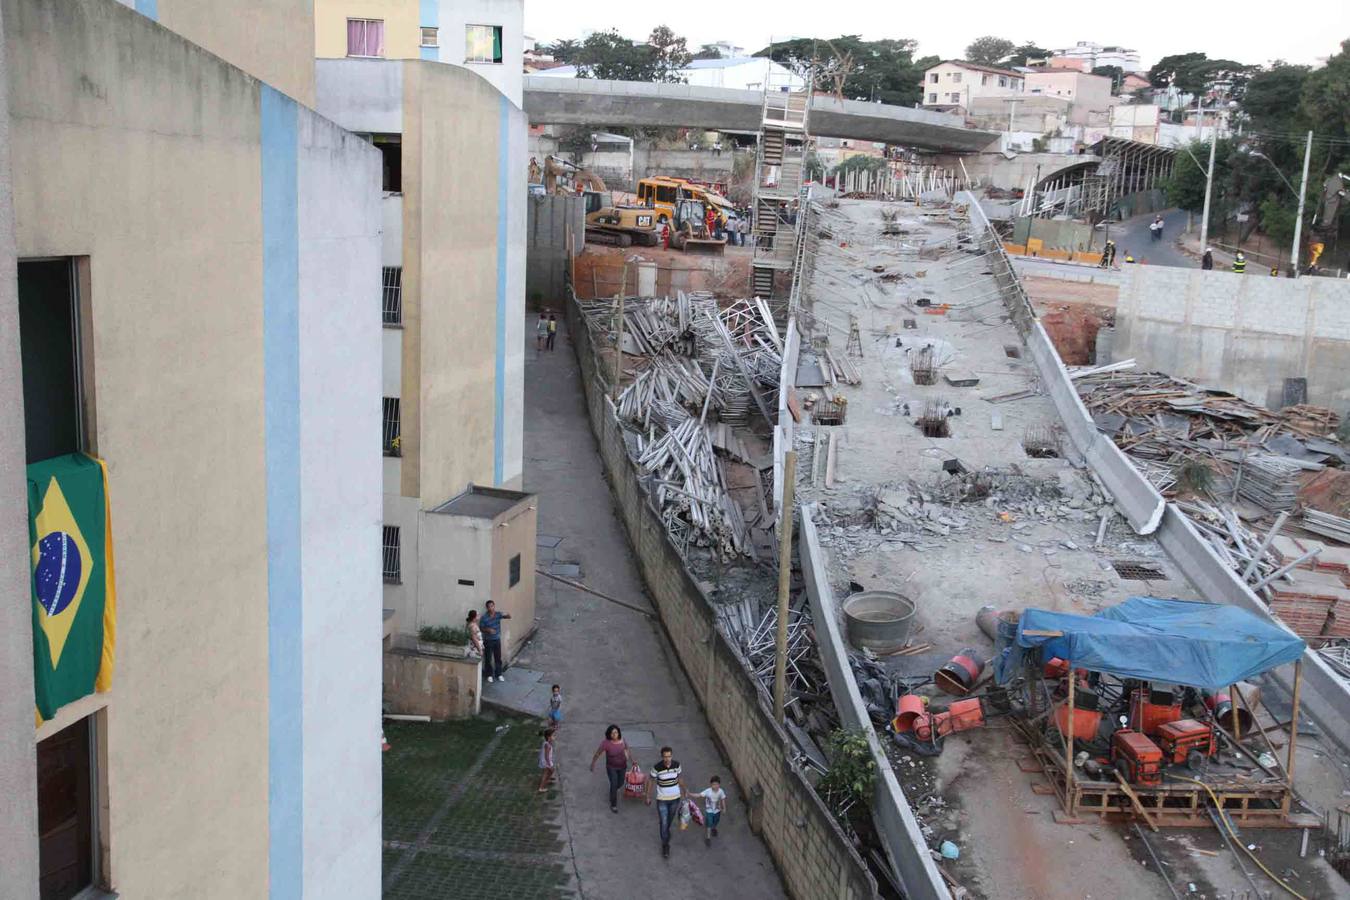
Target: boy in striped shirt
<point x="667" y="782"/>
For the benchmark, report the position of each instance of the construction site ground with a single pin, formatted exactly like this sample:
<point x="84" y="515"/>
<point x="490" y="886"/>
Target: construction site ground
<point x="600" y="270"/>
<point x="891" y="522"/>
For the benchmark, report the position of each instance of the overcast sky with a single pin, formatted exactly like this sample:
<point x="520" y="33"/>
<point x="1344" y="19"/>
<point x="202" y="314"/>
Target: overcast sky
<point x="1245" y="30"/>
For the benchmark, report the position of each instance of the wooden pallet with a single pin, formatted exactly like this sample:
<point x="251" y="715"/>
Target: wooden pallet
<point x="1173" y="805"/>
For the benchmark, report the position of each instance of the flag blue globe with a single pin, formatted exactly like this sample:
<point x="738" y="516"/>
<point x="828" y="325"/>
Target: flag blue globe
<point x="57" y="575"/>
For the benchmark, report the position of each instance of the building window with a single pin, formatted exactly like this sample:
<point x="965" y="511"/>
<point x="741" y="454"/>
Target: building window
<point x="932" y="98"/>
<point x="933" y="79"/>
<point x="956" y="78"/>
<point x="514" y="571"/>
<point x="365" y="37"/>
<point x="483" y="44"/>
<point x="49" y="347"/>
<point x="391" y="154"/>
<point x="984" y="80"/>
<point x="431" y="37"/>
<point x="393" y="555"/>
<point x="66" y="826"/>
<point x="955" y="97"/>
<point x="1002" y="81"/>
<point x="392" y="439"/>
<point x="392" y="301"/>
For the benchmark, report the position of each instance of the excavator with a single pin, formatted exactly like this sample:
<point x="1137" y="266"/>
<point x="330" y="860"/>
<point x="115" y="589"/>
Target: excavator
<point x="606" y="221"/>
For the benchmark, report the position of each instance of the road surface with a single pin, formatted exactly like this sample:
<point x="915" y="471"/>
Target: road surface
<point x="1132" y="238"/>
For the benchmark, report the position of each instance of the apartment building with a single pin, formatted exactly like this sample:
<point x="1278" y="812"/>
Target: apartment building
<point x="453" y="305"/>
<point x="1089" y="96"/>
<point x="1086" y="56"/>
<point x="954" y="84"/>
<point x="485" y="36"/>
<point x="188" y="257"/>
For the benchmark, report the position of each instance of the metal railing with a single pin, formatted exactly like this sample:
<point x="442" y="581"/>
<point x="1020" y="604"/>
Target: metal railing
<point x="392" y="295"/>
<point x="392" y="436"/>
<point x="393" y="555"/>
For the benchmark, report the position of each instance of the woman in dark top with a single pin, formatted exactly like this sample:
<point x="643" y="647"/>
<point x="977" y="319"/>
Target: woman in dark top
<point x="617" y="760"/>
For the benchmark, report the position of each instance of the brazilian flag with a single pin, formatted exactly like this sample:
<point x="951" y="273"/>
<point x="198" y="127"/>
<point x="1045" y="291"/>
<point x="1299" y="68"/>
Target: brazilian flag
<point x="69" y="530"/>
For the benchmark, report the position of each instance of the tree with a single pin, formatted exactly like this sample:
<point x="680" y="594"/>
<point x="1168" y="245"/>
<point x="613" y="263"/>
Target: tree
<point x="1186" y="186"/>
<point x="1115" y="73"/>
<point x="1023" y="54"/>
<point x="708" y="51"/>
<point x="1326" y="98"/>
<point x="564" y="51"/>
<point x="1267" y="100"/>
<point x="860" y="163"/>
<point x="1193" y="73"/>
<point x="989" y="50"/>
<point x="671" y="54"/>
<point x="1277" y="219"/>
<point x="882" y="71"/>
<point x="610" y="55"/>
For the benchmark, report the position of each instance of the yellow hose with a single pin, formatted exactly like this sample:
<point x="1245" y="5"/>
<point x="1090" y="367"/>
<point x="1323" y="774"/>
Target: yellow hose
<point x="1237" y="840"/>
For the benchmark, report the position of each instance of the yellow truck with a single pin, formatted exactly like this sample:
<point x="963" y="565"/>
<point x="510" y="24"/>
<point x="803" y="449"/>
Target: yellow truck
<point x="662" y="192"/>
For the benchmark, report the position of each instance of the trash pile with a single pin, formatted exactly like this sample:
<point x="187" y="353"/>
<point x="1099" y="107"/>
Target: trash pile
<point x="1162" y="422"/>
<point x="701" y="368"/>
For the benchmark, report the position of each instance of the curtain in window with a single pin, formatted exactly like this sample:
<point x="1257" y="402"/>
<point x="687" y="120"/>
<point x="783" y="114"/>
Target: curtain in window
<point x="365" y="37"/>
<point x="496" y="45"/>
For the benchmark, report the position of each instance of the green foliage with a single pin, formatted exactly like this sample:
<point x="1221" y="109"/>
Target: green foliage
<point x="611" y="56"/>
<point x="1025" y="52"/>
<point x="443" y="634"/>
<point x="564" y="51"/>
<point x="882" y="71"/>
<point x="1326" y="98"/>
<point x="1268" y="101"/>
<point x="1186" y="187"/>
<point x="575" y="141"/>
<point x="989" y="50"/>
<point x="853" y="772"/>
<point x="1277" y="218"/>
<point x="813" y="167"/>
<point x="1194" y="72"/>
<point x="860" y="163"/>
<point x="708" y="51"/>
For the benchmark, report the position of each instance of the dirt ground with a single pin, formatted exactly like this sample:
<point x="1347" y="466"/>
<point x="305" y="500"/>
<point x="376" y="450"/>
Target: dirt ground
<point x="1050" y="291"/>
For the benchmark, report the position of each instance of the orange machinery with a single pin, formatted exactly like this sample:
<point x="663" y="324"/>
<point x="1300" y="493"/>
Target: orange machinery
<point x="1151" y="709"/>
<point x="1183" y="737"/>
<point x="1137" y="758"/>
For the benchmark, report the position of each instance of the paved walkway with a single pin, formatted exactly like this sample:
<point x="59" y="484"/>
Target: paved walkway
<point x="616" y="666"/>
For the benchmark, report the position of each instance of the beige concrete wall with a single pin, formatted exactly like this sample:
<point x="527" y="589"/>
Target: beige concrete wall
<point x="452" y="548"/>
<point x="139" y="153"/>
<point x="402" y="26"/>
<point x="440" y="687"/>
<point x="512" y="534"/>
<point x="272" y="40"/>
<point x="451" y="153"/>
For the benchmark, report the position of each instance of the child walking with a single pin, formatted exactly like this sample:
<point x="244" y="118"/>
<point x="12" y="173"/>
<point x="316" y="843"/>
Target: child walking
<point x="546" y="761"/>
<point x="555" y="708"/>
<point x="714" y="801"/>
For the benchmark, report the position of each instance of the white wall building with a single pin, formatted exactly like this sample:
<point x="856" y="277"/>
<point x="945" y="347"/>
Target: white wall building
<point x="957" y="83"/>
<point x="1091" y="56"/>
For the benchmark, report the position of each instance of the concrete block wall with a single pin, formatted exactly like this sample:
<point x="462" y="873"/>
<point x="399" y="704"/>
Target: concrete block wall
<point x="812" y="855"/>
<point x="546" y="230"/>
<point x="1241" y="333"/>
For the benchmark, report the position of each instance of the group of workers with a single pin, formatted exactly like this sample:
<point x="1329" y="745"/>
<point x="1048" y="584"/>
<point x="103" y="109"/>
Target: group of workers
<point x="1108" y="258"/>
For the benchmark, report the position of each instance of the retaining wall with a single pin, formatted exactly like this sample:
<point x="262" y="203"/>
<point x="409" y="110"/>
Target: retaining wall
<point x="901" y="836"/>
<point x="549" y="220"/>
<point x="1326" y="697"/>
<point x="1241" y="333"/>
<point x="813" y="856"/>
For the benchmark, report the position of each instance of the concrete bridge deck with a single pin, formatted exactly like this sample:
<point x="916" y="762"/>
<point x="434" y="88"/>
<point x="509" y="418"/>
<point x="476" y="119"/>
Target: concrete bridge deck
<point x="587" y="101"/>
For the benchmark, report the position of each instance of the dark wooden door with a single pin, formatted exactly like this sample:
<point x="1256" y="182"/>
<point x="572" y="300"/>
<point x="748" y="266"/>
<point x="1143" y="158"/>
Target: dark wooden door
<point x="65" y="813"/>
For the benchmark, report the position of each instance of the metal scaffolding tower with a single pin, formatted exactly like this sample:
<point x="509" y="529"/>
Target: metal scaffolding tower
<point x="780" y="202"/>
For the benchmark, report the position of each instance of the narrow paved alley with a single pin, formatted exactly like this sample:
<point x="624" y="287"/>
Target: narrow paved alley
<point x="616" y="666"/>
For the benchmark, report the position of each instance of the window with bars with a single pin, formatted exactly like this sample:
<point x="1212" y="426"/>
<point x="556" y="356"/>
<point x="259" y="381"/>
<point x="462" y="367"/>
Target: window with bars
<point x="393" y="562"/>
<point x="392" y="434"/>
<point x="392" y="300"/>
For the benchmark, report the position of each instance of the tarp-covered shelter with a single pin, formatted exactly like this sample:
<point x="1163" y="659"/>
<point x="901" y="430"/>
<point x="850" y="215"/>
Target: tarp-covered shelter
<point x="1204" y="645"/>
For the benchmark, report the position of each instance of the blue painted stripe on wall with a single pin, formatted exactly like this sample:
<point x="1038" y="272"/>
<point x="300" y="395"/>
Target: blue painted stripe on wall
<point x="281" y="407"/>
<point x="430" y="13"/>
<point x="148" y="8"/>
<point x="499" y="390"/>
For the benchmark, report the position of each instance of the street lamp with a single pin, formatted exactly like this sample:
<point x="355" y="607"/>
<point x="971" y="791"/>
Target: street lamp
<point x="1259" y="155"/>
<point x="1302" y="196"/>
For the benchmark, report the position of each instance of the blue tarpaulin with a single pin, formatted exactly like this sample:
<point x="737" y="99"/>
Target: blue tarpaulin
<point x="1204" y="645"/>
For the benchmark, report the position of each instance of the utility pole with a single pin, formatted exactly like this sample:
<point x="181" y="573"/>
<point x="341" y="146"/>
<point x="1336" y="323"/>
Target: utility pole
<point x="1302" y="197"/>
<point x="784" y="583"/>
<point x="1209" y="190"/>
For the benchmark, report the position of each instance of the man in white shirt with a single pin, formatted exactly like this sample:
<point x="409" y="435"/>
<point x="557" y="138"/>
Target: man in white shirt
<point x="666" y="780"/>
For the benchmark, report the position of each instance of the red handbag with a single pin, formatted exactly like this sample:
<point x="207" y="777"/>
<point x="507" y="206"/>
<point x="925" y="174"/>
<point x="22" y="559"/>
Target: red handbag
<point x="635" y="783"/>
